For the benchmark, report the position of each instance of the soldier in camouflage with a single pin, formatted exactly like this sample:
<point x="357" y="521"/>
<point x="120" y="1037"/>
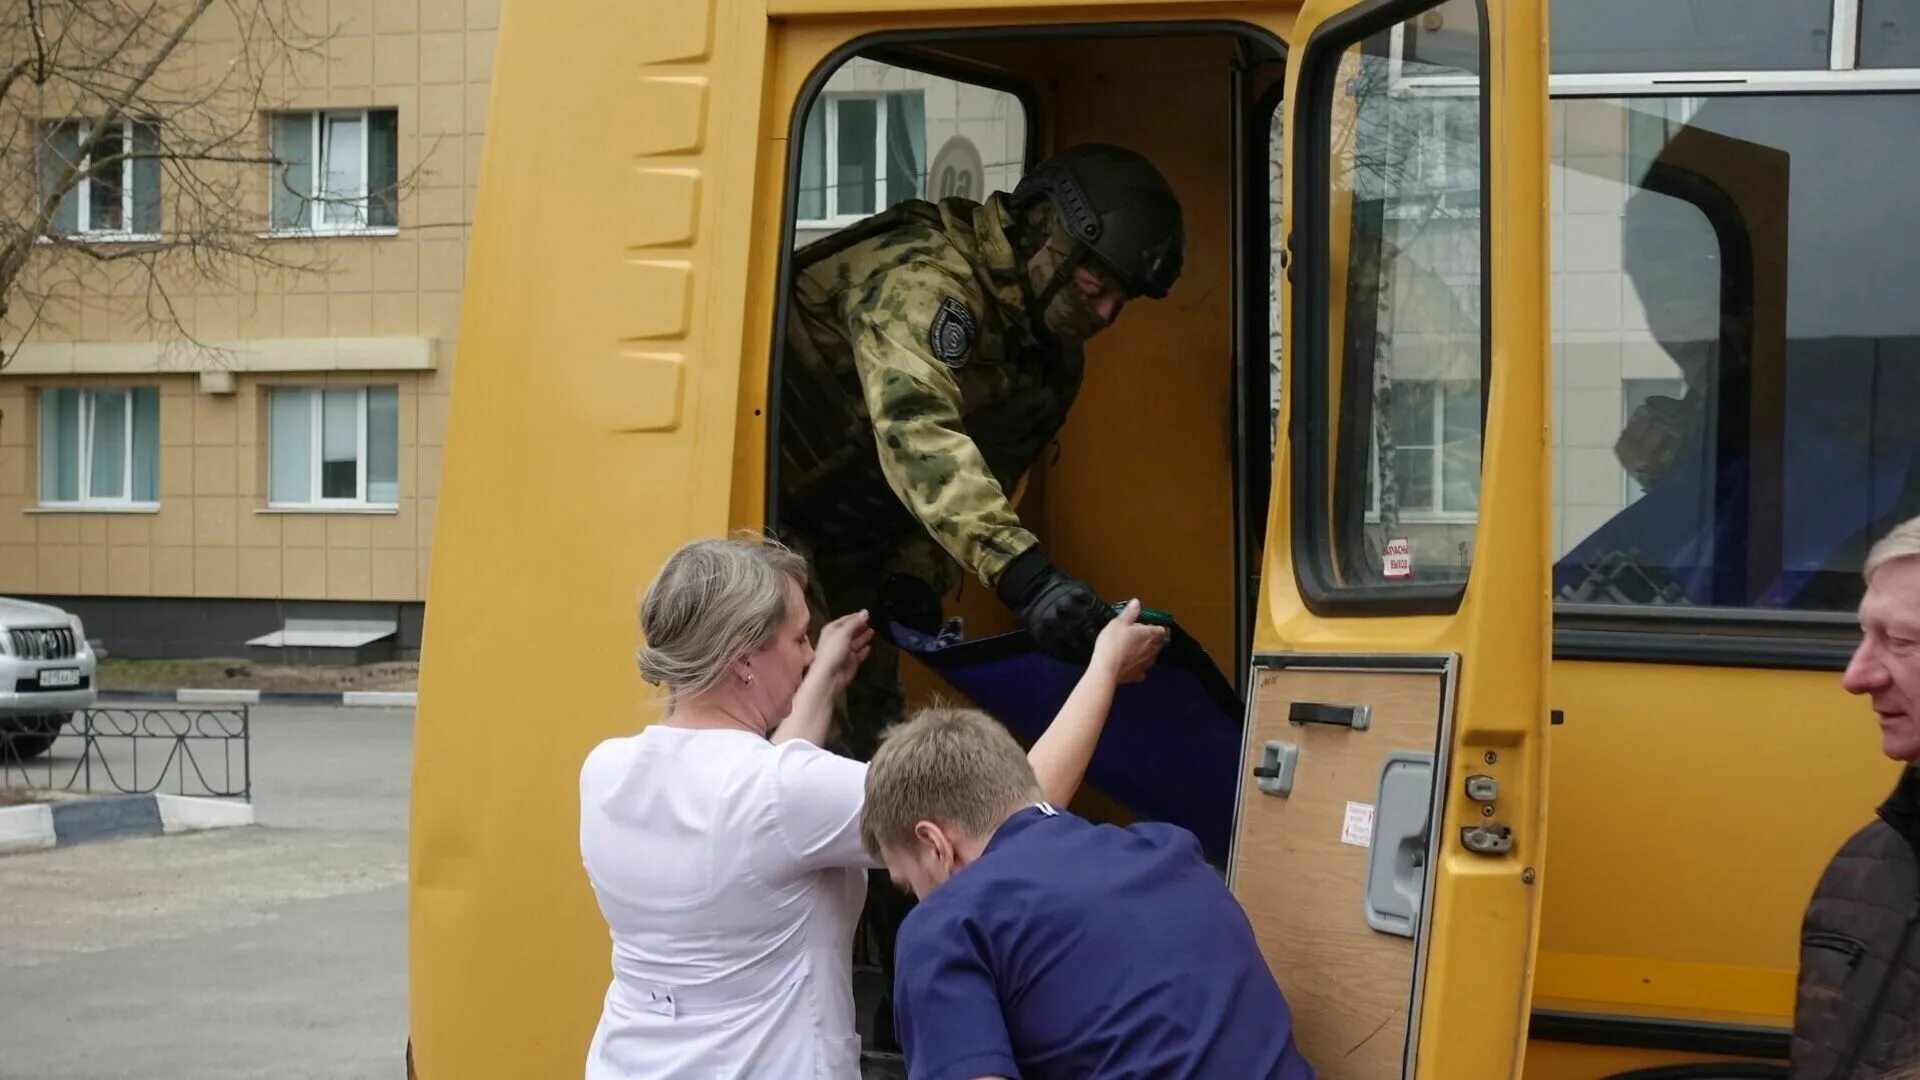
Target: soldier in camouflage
<point x="932" y="352"/>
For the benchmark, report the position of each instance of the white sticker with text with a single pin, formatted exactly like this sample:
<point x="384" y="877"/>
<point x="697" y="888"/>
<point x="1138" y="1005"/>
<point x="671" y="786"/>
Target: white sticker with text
<point x="1358" y="827"/>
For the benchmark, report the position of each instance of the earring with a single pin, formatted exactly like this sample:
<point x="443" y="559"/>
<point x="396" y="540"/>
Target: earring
<point x="749" y="679"/>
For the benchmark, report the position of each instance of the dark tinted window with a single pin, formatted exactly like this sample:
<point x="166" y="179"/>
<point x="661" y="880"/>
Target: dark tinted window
<point x="1737" y="348"/>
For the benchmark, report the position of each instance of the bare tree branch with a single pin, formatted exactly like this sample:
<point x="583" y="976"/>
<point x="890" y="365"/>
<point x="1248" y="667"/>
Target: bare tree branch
<point x="134" y="172"/>
<point x="13" y="258"/>
<point x="12" y="76"/>
<point x="39" y="41"/>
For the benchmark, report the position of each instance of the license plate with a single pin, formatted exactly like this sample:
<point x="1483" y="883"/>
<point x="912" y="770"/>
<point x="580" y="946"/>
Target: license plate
<point x="59" y="677"/>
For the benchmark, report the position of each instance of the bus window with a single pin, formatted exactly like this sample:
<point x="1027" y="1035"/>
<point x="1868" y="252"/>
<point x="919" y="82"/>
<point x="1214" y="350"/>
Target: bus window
<point x="1405" y="343"/>
<point x="1732" y="426"/>
<point x="1660" y="35"/>
<point x="1889" y="34"/>
<point x="879" y="134"/>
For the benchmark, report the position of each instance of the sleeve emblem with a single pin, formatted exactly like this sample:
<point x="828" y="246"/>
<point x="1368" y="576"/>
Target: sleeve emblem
<point x="951" y="335"/>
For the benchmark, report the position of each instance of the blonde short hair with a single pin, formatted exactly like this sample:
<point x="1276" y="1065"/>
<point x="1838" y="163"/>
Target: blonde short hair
<point x="958" y="767"/>
<point x="1901" y="542"/>
<point x="714" y="603"/>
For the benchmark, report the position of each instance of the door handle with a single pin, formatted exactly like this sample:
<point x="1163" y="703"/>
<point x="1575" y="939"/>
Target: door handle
<point x="1315" y="712"/>
<point x="1274" y="774"/>
<point x="1402" y="829"/>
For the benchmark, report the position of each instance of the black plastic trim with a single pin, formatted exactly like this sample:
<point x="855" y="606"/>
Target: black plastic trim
<point x="1316" y="712"/>
<point x="1701" y="650"/>
<point x="1733" y="409"/>
<point x="30" y="684"/>
<point x="1717" y="1070"/>
<point x="1434" y="662"/>
<point x="1312" y="540"/>
<point x="1705" y="636"/>
<point x="1686" y="1036"/>
<point x="1253" y="445"/>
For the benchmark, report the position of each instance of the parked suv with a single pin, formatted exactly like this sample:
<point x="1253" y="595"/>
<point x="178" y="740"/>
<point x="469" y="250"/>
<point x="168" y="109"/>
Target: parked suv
<point x="46" y="672"/>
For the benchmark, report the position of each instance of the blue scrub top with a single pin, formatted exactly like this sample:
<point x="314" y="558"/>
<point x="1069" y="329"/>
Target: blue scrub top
<point x="1070" y="949"/>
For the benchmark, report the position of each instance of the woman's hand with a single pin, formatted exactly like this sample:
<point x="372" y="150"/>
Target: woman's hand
<point x="1125" y="648"/>
<point x="844" y="645"/>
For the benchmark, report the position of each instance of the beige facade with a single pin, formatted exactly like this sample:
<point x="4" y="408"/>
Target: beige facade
<point x="383" y="311"/>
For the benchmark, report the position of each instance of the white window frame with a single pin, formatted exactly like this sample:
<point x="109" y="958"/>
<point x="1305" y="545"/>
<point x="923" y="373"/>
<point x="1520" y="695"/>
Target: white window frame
<point x="87" y="499"/>
<point x="1434" y="514"/>
<point x="835" y="219"/>
<point x="316" y="432"/>
<point x="318" y="201"/>
<point x="1843" y="73"/>
<point x="1843" y="42"/>
<point x="83" y="193"/>
<point x="1433" y="166"/>
<point x="1433" y="172"/>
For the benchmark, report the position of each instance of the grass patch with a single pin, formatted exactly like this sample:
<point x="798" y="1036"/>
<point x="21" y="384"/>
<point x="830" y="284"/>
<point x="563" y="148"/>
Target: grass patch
<point x="123" y="674"/>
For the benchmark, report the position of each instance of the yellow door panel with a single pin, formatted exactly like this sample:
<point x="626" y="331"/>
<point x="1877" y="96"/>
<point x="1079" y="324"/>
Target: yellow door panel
<point x="1415" y="347"/>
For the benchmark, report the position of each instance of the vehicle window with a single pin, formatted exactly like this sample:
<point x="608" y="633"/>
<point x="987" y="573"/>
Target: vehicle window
<point x="878" y="134"/>
<point x="1400" y="369"/>
<point x="1736" y="356"/>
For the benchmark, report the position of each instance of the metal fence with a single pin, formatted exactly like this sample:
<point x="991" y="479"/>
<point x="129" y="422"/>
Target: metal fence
<point x="136" y="750"/>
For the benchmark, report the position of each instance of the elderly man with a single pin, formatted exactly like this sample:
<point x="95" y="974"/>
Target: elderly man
<point x="1857" y="1016"/>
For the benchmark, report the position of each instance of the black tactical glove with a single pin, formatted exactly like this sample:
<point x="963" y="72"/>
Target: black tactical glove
<point x="909" y="601"/>
<point x="1061" y="613"/>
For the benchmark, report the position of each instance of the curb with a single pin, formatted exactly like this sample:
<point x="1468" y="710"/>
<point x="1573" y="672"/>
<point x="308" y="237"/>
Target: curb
<point x="64" y="822"/>
<point x="378" y="699"/>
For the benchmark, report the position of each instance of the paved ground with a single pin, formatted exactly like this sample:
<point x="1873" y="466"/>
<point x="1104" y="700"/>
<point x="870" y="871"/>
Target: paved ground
<point x="273" y="951"/>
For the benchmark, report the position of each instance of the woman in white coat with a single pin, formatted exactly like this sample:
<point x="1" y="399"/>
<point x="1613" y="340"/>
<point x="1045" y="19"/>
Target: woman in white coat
<point x="723" y="843"/>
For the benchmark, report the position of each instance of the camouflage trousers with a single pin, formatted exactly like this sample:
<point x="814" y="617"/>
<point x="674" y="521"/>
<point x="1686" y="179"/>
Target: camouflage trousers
<point x="843" y="580"/>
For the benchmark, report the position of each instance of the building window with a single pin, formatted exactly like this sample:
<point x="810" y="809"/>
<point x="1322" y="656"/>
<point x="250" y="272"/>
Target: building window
<point x="1435" y="459"/>
<point x="118" y="200"/>
<point x="335" y="171"/>
<point x="333" y="447"/>
<point x="99" y="447"/>
<point x="861" y="154"/>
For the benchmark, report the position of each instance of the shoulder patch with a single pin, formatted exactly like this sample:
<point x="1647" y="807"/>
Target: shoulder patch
<point x="951" y="335"/>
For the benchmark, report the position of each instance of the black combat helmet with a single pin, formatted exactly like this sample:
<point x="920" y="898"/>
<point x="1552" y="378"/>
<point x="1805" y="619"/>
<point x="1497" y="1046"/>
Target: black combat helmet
<point x="1120" y="210"/>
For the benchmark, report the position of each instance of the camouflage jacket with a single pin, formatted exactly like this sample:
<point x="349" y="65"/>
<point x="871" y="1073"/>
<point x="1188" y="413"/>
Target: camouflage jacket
<point x="914" y="394"/>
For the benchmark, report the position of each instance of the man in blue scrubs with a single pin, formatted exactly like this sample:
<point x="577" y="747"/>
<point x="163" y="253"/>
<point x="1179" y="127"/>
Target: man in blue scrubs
<point x="1047" y="946"/>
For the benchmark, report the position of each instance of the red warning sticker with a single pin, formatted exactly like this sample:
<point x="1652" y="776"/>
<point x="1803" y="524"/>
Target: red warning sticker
<point x="1397" y="562"/>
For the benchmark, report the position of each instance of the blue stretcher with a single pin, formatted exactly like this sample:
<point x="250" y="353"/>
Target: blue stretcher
<point x="1171" y="748"/>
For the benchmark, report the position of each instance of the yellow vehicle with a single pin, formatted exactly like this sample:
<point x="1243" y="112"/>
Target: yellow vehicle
<point x="1404" y="565"/>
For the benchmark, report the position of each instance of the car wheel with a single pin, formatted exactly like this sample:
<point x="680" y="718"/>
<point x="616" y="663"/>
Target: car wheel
<point x="23" y="738"/>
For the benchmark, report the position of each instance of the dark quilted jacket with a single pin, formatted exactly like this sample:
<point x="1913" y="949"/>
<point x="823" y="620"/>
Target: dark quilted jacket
<point x="1857" y="1016"/>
